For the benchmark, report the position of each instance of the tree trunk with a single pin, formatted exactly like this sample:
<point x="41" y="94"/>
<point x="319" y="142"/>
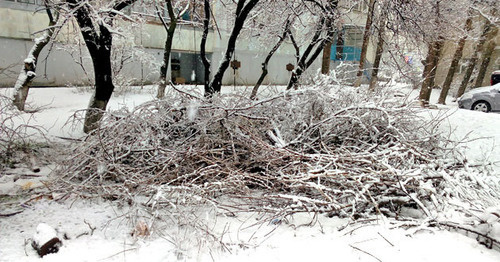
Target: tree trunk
<point x="241" y="15"/>
<point x="27" y="74"/>
<point x="426" y="75"/>
<point x="167" y="49"/>
<point x="268" y="58"/>
<point x="364" y="47"/>
<point x="438" y="46"/>
<point x="340" y="45"/>
<point x="454" y="62"/>
<point x="101" y="59"/>
<point x="325" y="62"/>
<point x="325" y="25"/>
<point x="203" y="53"/>
<point x="99" y="43"/>
<point x="431" y="62"/>
<point x="486" y="57"/>
<point x="474" y="58"/>
<point x="379" y="51"/>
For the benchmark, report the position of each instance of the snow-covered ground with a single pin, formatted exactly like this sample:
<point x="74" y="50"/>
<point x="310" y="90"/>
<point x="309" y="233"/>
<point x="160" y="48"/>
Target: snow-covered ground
<point x="246" y="237"/>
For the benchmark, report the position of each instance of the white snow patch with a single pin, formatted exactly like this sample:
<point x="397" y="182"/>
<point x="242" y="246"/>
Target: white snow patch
<point x="44" y="233"/>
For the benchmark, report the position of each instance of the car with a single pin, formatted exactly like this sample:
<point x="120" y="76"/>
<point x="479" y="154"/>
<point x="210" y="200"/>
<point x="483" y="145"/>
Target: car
<point x="495" y="77"/>
<point x="484" y="99"/>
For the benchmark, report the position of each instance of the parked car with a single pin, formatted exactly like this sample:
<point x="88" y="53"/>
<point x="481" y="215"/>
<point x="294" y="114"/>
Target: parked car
<point x="495" y="77"/>
<point x="484" y="99"/>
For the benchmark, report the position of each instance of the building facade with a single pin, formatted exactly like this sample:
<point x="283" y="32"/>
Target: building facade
<point x="65" y="61"/>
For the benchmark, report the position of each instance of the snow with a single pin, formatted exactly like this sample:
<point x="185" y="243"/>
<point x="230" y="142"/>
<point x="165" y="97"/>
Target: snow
<point x="246" y="237"/>
<point x="44" y="233"/>
<point x="29" y="60"/>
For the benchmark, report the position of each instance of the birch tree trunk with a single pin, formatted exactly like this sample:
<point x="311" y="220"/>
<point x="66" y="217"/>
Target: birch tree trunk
<point x="454" y="62"/>
<point x="27" y="74"/>
<point x="364" y="47"/>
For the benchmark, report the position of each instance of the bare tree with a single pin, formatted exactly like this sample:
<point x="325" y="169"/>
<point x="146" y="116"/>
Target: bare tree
<point x="98" y="37"/>
<point x="486" y="56"/>
<point x="380" y="48"/>
<point x="243" y="9"/>
<point x="203" y="52"/>
<point x="456" y="59"/>
<point x="366" y="38"/>
<point x="475" y="55"/>
<point x="286" y="31"/>
<point x="435" y="44"/>
<point x="323" y="34"/>
<point x="170" y="27"/>
<point x="27" y="74"/>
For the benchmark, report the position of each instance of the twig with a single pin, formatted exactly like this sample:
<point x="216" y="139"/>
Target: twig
<point x="11" y="214"/>
<point x="121" y="252"/>
<point x="361" y="250"/>
<point x="385" y="239"/>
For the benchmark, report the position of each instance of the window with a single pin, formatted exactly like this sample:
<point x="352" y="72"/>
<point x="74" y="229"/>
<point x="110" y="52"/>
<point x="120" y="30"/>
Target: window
<point x="147" y="8"/>
<point x="361" y="6"/>
<point x="347" y="44"/>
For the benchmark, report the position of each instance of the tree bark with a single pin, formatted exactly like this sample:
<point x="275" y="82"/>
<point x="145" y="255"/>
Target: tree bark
<point x="325" y="62"/>
<point x="203" y="53"/>
<point x="454" y="62"/>
<point x="27" y="74"/>
<point x="474" y="58"/>
<point x="167" y="49"/>
<point x="379" y="51"/>
<point x="340" y="45"/>
<point x="424" y="90"/>
<point x="268" y="58"/>
<point x="241" y="15"/>
<point x="486" y="57"/>
<point x="431" y="62"/>
<point x="438" y="46"/>
<point x="101" y="60"/>
<point x="99" y="42"/>
<point x="364" y="47"/>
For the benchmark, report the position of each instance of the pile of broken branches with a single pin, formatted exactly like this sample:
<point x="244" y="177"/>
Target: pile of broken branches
<point x="330" y="149"/>
<point x="17" y="135"/>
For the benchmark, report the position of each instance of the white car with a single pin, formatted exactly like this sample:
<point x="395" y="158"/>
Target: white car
<point x="484" y="99"/>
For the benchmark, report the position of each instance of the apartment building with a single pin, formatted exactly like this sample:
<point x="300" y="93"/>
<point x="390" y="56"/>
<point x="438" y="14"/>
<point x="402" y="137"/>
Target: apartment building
<point x="65" y="60"/>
